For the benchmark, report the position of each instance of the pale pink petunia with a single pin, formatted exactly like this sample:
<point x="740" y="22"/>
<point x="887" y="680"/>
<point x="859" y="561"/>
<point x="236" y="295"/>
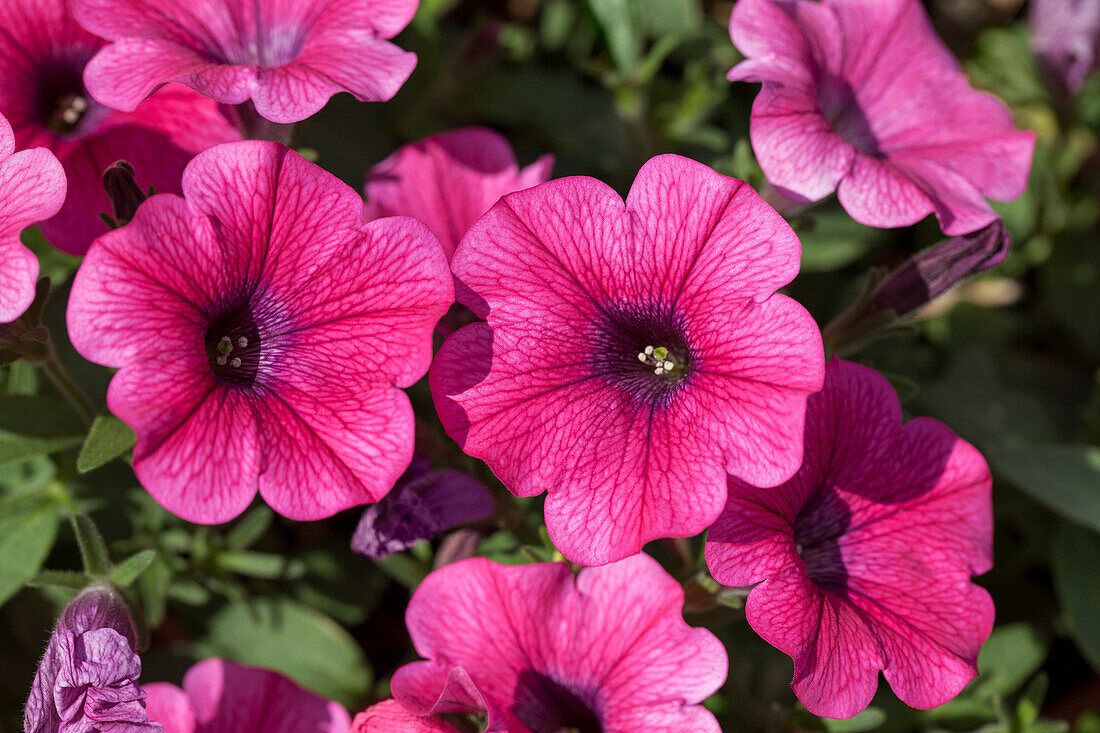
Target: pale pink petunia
<point x="555" y="391"/>
<point x="287" y="56"/>
<point x="390" y="716"/>
<point x="42" y="56"/>
<point x="32" y="188"/>
<point x="863" y="561"/>
<point x="262" y="330"/>
<point x="448" y="181"/>
<point x="220" y="696"/>
<point x="862" y="98"/>
<point x="538" y="650"/>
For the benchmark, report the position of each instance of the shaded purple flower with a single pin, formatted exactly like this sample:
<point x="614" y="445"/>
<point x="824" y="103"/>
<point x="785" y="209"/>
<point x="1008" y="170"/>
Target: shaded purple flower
<point x="422" y="504"/>
<point x="863" y="560"/>
<point x="862" y="98"/>
<point x="87" y="680"/>
<point x="287" y="57"/>
<point x="1065" y="35"/>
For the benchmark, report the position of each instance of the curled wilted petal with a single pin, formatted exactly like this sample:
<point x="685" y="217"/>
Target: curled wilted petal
<point x="422" y="504"/>
<point x="87" y="680"/>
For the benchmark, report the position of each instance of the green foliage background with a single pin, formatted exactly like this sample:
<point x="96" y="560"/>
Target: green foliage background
<point x="1011" y="361"/>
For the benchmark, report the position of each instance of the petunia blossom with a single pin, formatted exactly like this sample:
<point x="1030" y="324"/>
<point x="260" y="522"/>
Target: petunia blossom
<point x="220" y="696"/>
<point x="448" y="181"/>
<point x="42" y="56"/>
<point x="32" y="188"/>
<point x="632" y="353"/>
<point x="422" y="504"/>
<point x="390" y="716"/>
<point x="863" y="561"/>
<point x="862" y="98"/>
<point x="538" y="650"/>
<point x="87" y="680"/>
<point x="262" y="331"/>
<point x="287" y="57"/>
<point x="1065" y="35"/>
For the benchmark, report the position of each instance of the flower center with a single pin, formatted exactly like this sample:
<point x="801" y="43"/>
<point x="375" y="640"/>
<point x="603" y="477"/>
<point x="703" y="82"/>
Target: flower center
<point x="62" y="100"/>
<point x="818" y="531"/>
<point x="846" y="116"/>
<point x="545" y="705"/>
<point x="644" y="350"/>
<point x="233" y="347"/>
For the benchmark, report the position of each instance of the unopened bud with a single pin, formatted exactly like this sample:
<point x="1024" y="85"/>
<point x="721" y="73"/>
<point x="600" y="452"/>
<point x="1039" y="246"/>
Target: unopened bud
<point x="126" y="196"/>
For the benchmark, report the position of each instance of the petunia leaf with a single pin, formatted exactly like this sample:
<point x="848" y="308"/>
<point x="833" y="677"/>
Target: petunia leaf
<point x="293" y="639"/>
<point x="38" y="416"/>
<point x="1064" y="477"/>
<point x="1077" y="581"/>
<point x="28" y="526"/>
<point x="621" y="23"/>
<point x="130" y="569"/>
<point x="1008" y="658"/>
<point x="108" y="439"/>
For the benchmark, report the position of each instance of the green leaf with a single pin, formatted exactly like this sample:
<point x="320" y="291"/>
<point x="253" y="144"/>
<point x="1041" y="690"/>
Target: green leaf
<point x="621" y="23"/>
<point x="1008" y="658"/>
<point x="293" y="639"/>
<point x="259" y="564"/>
<point x="28" y="527"/>
<point x="59" y="579"/>
<point x="93" y="550"/>
<point x="108" y="439"/>
<point x="1064" y="477"/>
<point x="832" y="240"/>
<point x="38" y="417"/>
<point x="250" y="528"/>
<point x="1005" y="66"/>
<point x="869" y="719"/>
<point x="127" y="571"/>
<point x="1077" y="581"/>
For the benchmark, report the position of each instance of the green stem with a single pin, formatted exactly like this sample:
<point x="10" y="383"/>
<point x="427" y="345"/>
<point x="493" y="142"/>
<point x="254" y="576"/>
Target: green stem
<point x="68" y="387"/>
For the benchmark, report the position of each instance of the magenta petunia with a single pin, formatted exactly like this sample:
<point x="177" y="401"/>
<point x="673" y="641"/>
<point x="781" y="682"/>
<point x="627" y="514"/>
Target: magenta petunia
<point x="262" y="330"/>
<point x="632" y="353"/>
<point x="42" y="56"/>
<point x="448" y="181"/>
<point x="390" y="716"/>
<point x="287" y="57"/>
<point x="32" y="188"/>
<point x="220" y="696"/>
<point x="538" y="650"/>
<point x="863" y="561"/>
<point x="862" y="98"/>
<point x="1065" y="35"/>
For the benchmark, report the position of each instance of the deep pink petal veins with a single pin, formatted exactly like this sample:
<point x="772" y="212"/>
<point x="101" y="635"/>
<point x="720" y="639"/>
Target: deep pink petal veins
<point x="288" y="58"/>
<point x="32" y="189"/>
<point x="389" y="716"/>
<point x="608" y="648"/>
<point x="554" y="390"/>
<point x="863" y="560"/>
<point x="862" y="97"/>
<point x="263" y="334"/>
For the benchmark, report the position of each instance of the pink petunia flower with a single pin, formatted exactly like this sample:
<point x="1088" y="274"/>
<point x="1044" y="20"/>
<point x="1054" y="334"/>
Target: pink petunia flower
<point x="448" y="181"/>
<point x="262" y="330"/>
<point x="32" y="188"/>
<point x="862" y="98"/>
<point x="538" y="650"/>
<point x="42" y="56"/>
<point x="632" y="354"/>
<point x="863" y="560"/>
<point x="220" y="696"/>
<point x="287" y="57"/>
<point x="1065" y="35"/>
<point x="390" y="716"/>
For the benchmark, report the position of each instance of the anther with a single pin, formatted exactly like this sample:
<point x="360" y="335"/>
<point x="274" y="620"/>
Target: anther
<point x="242" y="342"/>
<point x="236" y="362"/>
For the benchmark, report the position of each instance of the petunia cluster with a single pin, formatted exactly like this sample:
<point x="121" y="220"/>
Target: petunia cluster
<point x="632" y="358"/>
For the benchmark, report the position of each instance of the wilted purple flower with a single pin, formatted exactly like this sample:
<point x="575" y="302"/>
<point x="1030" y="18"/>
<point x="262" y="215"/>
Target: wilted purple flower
<point x="1065" y="35"/>
<point x="87" y="680"/>
<point x="422" y="504"/>
<point x="928" y="274"/>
